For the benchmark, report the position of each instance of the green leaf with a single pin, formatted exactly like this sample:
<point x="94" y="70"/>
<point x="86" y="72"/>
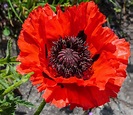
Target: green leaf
<point x="3" y="61"/>
<point x="117" y="10"/>
<point x="7" y="69"/>
<point x="61" y="1"/>
<point x="11" y="60"/>
<point x="6" y="31"/>
<point x="14" y="75"/>
<point x="8" y="51"/>
<point x="10" y="3"/>
<point x="3" y="83"/>
<point x="53" y="7"/>
<point x="7" y="106"/>
<point x="23" y="102"/>
<point x="17" y="84"/>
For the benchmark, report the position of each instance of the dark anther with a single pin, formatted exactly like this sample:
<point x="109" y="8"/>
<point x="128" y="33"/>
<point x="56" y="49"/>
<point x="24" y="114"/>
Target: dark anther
<point x="95" y="57"/>
<point x="46" y="76"/>
<point x="46" y="51"/>
<point x="82" y="35"/>
<point x="70" y="57"/>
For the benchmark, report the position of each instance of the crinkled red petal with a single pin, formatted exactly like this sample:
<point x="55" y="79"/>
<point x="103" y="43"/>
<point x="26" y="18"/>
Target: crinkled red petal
<point x="43" y="26"/>
<point x="86" y="97"/>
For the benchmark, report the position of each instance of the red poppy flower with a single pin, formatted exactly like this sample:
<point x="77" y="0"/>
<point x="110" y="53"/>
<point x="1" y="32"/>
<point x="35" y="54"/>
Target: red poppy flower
<point x="76" y="60"/>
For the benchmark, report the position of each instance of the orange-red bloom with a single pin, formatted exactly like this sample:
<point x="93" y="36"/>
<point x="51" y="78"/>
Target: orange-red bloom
<point x="76" y="60"/>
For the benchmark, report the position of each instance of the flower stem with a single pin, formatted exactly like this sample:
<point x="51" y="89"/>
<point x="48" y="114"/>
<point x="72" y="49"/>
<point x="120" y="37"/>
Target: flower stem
<point x="40" y="108"/>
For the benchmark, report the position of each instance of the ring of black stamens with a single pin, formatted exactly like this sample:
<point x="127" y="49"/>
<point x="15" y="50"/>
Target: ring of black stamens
<point x="70" y="57"/>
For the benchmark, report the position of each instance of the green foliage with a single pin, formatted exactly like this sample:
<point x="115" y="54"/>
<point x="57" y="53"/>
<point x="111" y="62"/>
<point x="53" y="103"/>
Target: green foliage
<point x="8" y="104"/>
<point x="9" y="81"/>
<point x="6" y="31"/>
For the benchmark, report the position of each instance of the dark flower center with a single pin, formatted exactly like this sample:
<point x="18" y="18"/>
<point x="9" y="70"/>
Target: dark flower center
<point x="70" y="57"/>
